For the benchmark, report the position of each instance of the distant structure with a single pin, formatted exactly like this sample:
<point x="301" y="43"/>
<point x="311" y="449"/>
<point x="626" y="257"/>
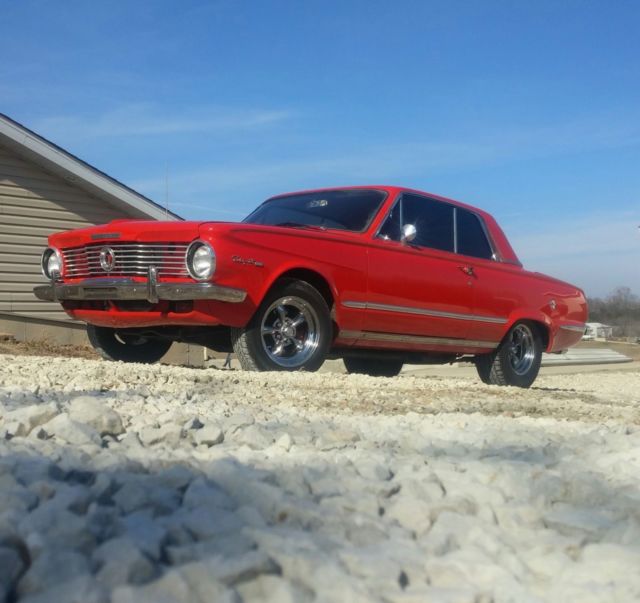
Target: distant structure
<point x="44" y="189"/>
<point x="597" y="330"/>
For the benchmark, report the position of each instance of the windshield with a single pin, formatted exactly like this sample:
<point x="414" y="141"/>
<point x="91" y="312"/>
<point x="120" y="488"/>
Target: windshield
<point x="341" y="210"/>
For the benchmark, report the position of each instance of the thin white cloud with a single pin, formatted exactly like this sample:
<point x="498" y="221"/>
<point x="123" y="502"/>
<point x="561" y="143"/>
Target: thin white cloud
<point x="597" y="252"/>
<point x="146" y="120"/>
<point x="399" y="161"/>
<point x="373" y="164"/>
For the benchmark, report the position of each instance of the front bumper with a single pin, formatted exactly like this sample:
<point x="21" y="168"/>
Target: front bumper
<point x="127" y="289"/>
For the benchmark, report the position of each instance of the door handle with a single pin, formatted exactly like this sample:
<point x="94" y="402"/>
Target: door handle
<point x="468" y="270"/>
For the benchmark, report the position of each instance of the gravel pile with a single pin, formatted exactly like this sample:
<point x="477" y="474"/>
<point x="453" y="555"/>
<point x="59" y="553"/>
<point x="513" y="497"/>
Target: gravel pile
<point x="133" y="483"/>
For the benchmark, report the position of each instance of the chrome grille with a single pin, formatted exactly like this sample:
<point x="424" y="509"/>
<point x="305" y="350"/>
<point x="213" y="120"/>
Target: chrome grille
<point x="129" y="259"/>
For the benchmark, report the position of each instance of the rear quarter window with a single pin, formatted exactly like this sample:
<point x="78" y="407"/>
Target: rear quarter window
<point x="472" y="239"/>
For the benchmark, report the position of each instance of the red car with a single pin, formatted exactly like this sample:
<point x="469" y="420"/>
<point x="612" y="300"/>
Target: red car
<point x="377" y="275"/>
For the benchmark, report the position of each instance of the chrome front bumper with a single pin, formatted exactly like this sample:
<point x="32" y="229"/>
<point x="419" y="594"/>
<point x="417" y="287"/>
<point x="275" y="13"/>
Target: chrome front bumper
<point x="127" y="289"/>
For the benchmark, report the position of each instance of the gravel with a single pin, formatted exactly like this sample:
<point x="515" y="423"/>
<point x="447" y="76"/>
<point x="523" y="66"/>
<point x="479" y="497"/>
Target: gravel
<point x="157" y="483"/>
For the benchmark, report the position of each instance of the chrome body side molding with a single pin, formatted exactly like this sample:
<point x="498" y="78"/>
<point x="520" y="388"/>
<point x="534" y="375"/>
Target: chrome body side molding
<point x="423" y="312"/>
<point x="576" y="328"/>
<point x="417" y="339"/>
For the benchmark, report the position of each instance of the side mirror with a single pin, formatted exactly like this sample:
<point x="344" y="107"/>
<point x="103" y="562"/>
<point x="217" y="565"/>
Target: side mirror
<point x="409" y="233"/>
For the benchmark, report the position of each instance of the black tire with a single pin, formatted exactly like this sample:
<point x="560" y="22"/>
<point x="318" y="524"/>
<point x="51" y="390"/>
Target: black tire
<point x="516" y="361"/>
<point x="375" y="367"/>
<point x="272" y="341"/>
<point x="113" y="344"/>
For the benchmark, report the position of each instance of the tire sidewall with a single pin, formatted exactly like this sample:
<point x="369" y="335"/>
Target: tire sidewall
<point x="511" y="377"/>
<point x="104" y="341"/>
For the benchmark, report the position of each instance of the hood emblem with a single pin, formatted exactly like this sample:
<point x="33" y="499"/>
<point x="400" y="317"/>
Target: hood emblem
<point x="107" y="259"/>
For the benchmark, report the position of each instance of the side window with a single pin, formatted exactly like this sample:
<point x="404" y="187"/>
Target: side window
<point x="471" y="237"/>
<point x="433" y="221"/>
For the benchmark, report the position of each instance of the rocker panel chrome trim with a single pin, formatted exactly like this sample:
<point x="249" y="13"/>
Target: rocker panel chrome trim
<point x="423" y="312"/>
<point x="419" y="339"/>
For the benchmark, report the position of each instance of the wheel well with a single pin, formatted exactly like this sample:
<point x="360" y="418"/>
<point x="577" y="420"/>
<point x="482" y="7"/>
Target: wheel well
<point x="542" y="330"/>
<point x="314" y="279"/>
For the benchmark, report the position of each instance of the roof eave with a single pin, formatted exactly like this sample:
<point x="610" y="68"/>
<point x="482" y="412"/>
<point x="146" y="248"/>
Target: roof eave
<point x="56" y="160"/>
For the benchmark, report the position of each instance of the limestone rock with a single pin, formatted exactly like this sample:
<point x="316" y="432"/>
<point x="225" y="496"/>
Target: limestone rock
<point x="70" y="431"/>
<point x="169" y="434"/>
<point x="25" y="418"/>
<point x="11" y="567"/>
<point x="185" y="584"/>
<point x="51" y="568"/>
<point x="274" y="589"/>
<point x="120" y="561"/>
<point x="94" y="412"/>
<point x="83" y="589"/>
<point x="209" y="435"/>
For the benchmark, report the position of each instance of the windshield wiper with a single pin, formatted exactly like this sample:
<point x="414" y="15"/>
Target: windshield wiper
<point x="300" y="225"/>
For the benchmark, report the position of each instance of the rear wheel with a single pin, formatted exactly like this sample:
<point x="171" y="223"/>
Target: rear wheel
<point x="114" y="344"/>
<point x="517" y="359"/>
<point x="375" y="367"/>
<point x="290" y="331"/>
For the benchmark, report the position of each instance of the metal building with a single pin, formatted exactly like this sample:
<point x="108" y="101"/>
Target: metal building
<point x="44" y="189"/>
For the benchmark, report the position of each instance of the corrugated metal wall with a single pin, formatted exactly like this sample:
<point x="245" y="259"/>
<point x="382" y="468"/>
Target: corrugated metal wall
<point x="33" y="204"/>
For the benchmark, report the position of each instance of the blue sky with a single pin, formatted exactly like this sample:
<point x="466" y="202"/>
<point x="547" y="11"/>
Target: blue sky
<point x="530" y="110"/>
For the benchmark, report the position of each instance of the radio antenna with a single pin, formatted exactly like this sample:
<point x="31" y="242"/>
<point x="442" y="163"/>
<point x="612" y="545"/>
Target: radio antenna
<point x="166" y="190"/>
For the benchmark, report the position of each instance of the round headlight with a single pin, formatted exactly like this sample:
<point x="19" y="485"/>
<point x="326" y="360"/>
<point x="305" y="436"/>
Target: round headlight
<point x="201" y="260"/>
<point x="51" y="262"/>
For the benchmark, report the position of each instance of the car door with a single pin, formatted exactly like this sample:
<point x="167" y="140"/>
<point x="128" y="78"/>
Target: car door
<point x="497" y="287"/>
<point x="417" y="287"/>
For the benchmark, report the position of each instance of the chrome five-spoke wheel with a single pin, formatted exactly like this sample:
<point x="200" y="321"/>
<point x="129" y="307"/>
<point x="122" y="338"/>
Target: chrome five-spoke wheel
<point x="290" y="331"/>
<point x="522" y="349"/>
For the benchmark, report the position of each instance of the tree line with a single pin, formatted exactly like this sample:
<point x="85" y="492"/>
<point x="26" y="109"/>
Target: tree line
<point x="620" y="309"/>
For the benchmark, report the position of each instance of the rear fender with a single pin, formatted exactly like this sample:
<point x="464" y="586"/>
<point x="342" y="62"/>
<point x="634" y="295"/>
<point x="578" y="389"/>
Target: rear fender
<point x="535" y="316"/>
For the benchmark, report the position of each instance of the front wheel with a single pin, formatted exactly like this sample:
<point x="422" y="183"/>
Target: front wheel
<point x="517" y="359"/>
<point x="114" y="344"/>
<point x="375" y="367"/>
<point x="290" y="331"/>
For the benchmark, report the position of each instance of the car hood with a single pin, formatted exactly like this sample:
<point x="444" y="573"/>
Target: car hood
<point x="128" y="230"/>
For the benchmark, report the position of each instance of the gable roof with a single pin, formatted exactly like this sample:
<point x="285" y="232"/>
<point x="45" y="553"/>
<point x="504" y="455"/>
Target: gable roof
<point x="56" y="160"/>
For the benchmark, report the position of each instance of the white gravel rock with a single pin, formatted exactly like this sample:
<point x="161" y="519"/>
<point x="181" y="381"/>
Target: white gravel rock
<point x="209" y="435"/>
<point x="11" y="566"/>
<point x="51" y="568"/>
<point x="82" y="589"/>
<point x="411" y="513"/>
<point x="94" y="412"/>
<point x="21" y="422"/>
<point x="190" y="583"/>
<point x="168" y="434"/>
<point x="325" y="487"/>
<point x="72" y="432"/>
<point x="273" y="589"/>
<point x="120" y="561"/>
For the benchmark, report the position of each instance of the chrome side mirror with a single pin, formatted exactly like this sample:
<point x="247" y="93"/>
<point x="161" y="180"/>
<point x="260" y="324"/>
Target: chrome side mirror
<point x="409" y="233"/>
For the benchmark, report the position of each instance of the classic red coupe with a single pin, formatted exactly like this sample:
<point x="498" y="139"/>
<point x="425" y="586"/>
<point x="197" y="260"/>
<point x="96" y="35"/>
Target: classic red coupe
<point x="377" y="275"/>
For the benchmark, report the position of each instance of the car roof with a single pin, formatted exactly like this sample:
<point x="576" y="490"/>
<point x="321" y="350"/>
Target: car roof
<point x="497" y="234"/>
